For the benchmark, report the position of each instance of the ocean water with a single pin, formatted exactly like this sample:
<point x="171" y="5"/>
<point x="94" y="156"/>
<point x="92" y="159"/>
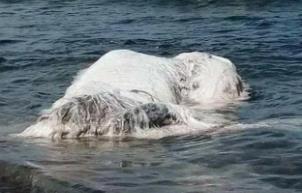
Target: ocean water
<point x="43" y="44"/>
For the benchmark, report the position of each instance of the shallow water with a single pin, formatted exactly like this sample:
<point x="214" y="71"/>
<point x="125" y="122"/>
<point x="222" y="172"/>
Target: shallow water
<point x="44" y="43"/>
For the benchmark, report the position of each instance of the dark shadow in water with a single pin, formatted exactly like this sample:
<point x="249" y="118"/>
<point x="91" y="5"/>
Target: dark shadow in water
<point x="18" y="178"/>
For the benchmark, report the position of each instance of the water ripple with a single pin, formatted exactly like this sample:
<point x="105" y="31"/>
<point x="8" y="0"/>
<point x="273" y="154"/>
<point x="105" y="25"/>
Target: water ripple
<point x="44" y="44"/>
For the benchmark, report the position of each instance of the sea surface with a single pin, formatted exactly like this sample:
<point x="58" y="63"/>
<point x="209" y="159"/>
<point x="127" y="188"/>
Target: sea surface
<point x="43" y="44"/>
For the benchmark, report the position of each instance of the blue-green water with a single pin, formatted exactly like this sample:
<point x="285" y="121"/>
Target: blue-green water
<point x="44" y="43"/>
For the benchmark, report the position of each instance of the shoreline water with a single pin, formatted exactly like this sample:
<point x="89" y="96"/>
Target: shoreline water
<point x="43" y="44"/>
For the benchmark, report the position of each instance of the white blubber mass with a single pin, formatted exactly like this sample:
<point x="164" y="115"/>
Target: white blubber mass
<point x="125" y="93"/>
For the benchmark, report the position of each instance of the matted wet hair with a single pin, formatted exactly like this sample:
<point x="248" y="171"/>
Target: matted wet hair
<point x="106" y="114"/>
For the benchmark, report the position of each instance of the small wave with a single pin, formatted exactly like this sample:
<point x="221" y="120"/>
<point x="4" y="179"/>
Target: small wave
<point x="2" y="60"/>
<point x="20" y="80"/>
<point x="189" y="19"/>
<point x="141" y="42"/>
<point x="126" y="21"/>
<point x="22" y="178"/>
<point x="3" y="103"/>
<point x="4" y="68"/>
<point x="243" y="18"/>
<point x="9" y="41"/>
